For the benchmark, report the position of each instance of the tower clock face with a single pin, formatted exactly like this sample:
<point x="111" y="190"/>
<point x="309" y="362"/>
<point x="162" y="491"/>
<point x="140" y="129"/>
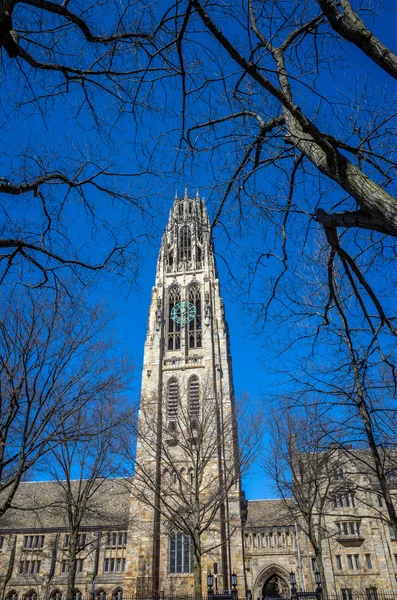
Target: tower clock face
<point x="183" y="312"/>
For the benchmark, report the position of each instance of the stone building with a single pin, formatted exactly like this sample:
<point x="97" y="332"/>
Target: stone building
<point x="133" y="540"/>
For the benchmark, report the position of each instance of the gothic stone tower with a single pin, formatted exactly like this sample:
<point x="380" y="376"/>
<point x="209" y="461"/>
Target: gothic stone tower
<point x="185" y="507"/>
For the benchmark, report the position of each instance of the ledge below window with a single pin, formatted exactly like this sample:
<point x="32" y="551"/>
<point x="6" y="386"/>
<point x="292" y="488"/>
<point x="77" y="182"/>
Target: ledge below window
<point x="350" y="540"/>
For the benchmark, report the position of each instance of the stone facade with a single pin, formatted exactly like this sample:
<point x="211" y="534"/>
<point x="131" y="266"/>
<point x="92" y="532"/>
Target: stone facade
<point x="129" y="543"/>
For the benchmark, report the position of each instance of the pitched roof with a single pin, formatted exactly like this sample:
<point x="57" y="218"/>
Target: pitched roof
<point x="41" y="505"/>
<point x="268" y="513"/>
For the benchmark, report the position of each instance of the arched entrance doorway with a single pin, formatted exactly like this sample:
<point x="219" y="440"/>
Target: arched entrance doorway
<point x="275" y="587"/>
<point x="272" y="583"/>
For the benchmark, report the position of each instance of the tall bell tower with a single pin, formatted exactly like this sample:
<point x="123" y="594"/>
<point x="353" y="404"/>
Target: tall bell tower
<point x="186" y="501"/>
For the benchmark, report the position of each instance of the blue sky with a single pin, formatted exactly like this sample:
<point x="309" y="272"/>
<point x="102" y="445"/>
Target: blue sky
<point x="61" y="134"/>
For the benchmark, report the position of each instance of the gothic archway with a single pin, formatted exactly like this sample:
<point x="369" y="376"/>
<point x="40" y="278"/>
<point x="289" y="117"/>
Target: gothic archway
<point x="272" y="582"/>
<point x="275" y="587"/>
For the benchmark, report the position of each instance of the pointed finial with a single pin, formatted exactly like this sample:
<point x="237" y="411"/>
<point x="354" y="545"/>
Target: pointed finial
<point x="185" y="197"/>
<point x="197" y="195"/>
<point x="176" y="195"/>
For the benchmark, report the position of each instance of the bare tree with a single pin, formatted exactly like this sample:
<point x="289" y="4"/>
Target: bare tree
<point x="302" y="465"/>
<point x="82" y="464"/>
<point x="201" y="467"/>
<point x="69" y="73"/>
<point x="54" y="363"/>
<point x="299" y="140"/>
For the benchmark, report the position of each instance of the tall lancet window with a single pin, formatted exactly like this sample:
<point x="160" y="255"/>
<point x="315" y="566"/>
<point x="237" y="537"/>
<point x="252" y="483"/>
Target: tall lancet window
<point x="195" y="333"/>
<point x="172" y="400"/>
<point x="194" y="399"/>
<point x="174" y="328"/>
<point x="199" y="247"/>
<point x="185" y="244"/>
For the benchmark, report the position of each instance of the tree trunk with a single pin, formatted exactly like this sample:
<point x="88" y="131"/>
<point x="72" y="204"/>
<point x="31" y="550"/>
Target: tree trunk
<point x="198" y="586"/>
<point x="320" y="565"/>
<point x="71" y="565"/>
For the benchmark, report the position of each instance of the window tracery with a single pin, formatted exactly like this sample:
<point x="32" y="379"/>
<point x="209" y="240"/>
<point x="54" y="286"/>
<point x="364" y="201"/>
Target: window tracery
<point x="185" y="244"/>
<point x="194" y="332"/>
<point x="194" y="399"/>
<point x="174" y="328"/>
<point x="199" y="247"/>
<point x="180" y="553"/>
<point x="172" y="400"/>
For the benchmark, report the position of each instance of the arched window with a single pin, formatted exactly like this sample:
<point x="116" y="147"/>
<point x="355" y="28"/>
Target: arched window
<point x="55" y="595"/>
<point x="185" y="244"/>
<point x="194" y="399"/>
<point x="180" y="553"/>
<point x="77" y="595"/>
<point x="195" y="335"/>
<point x="12" y="595"/>
<point x="172" y="400"/>
<point x="174" y="328"/>
<point x="117" y="594"/>
<point x="199" y="247"/>
<point x="170" y="255"/>
<point x="100" y="595"/>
